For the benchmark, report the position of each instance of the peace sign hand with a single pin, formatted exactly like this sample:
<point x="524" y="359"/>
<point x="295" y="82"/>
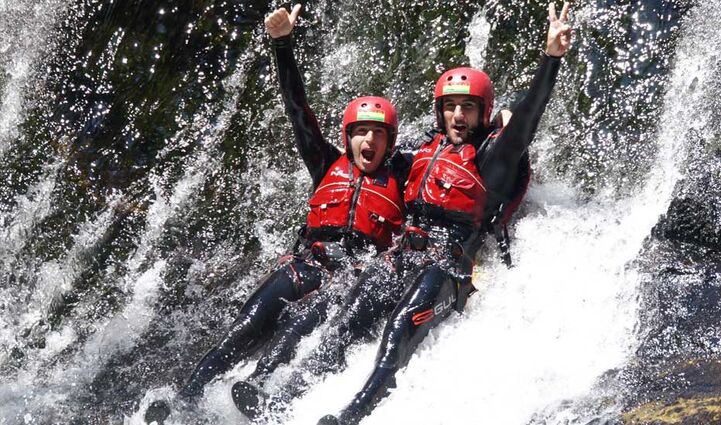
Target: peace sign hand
<point x="280" y="23"/>
<point x="559" y="32"/>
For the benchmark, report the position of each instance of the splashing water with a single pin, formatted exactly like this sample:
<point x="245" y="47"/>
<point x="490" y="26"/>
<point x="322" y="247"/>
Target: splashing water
<point x="132" y="236"/>
<point x="24" y="26"/>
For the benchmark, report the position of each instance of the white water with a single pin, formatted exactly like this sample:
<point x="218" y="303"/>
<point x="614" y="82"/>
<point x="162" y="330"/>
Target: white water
<point x="31" y="208"/>
<point x="536" y="334"/>
<point x="142" y="281"/>
<point x="25" y="34"/>
<point x="24" y="28"/>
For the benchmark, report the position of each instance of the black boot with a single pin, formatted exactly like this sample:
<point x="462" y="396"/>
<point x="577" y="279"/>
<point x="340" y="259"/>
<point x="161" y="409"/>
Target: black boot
<point x="375" y="390"/>
<point x="328" y="420"/>
<point x="157" y="412"/>
<point x="353" y="414"/>
<point x="248" y="399"/>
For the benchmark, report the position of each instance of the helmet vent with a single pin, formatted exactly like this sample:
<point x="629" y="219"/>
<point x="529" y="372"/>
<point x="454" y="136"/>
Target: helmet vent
<point x="363" y="105"/>
<point x="378" y="105"/>
<point x="464" y="78"/>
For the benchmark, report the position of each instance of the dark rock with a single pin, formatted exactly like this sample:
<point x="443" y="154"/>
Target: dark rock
<point x="676" y="375"/>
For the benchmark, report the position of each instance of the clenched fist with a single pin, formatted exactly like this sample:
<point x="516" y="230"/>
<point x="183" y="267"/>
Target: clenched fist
<point x="280" y="23"/>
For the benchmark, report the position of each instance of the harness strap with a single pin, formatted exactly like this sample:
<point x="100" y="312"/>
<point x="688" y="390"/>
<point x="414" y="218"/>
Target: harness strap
<point x="500" y="231"/>
<point x="300" y="239"/>
<point x="295" y="275"/>
<point x="416" y="238"/>
<point x="328" y="254"/>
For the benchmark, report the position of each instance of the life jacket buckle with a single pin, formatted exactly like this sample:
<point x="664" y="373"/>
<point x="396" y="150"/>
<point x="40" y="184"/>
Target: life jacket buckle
<point x="328" y="254"/>
<point x="377" y="218"/>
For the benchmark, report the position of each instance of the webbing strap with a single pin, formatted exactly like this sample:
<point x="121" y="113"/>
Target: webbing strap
<point x="500" y="231"/>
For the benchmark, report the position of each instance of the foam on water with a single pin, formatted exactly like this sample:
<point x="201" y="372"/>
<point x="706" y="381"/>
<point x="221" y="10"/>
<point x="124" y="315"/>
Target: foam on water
<point x="32" y="207"/>
<point x="142" y="282"/>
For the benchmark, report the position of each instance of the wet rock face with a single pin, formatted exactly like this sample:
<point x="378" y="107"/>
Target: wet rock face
<point x="694" y="216"/>
<point x="693" y="220"/>
<point x="676" y="376"/>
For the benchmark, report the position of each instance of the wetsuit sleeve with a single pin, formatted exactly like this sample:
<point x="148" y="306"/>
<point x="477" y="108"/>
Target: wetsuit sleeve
<point x="318" y="155"/>
<point x="402" y="158"/>
<point x="401" y="165"/>
<point x="499" y="162"/>
<point x="405" y="151"/>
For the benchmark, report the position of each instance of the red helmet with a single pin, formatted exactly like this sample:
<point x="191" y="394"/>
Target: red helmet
<point x="371" y="109"/>
<point x="468" y="81"/>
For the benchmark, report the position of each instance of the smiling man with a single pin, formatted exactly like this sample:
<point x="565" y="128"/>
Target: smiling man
<point x="462" y="175"/>
<point x="368" y="144"/>
<point x="355" y="210"/>
<point x="466" y="177"/>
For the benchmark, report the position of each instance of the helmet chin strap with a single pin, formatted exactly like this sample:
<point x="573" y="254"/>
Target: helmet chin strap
<point x="348" y="146"/>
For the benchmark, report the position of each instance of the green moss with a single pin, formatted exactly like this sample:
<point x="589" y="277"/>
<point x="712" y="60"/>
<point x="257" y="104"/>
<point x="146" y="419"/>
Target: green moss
<point x="681" y="411"/>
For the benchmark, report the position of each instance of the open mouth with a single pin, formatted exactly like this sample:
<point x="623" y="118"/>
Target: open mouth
<point x="460" y="128"/>
<point x="368" y="154"/>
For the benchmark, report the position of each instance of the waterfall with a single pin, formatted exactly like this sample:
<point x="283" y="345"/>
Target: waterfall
<point x="24" y="26"/>
<point x="150" y="178"/>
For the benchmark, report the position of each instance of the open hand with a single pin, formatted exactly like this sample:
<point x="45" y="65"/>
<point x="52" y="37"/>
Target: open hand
<point x="280" y="23"/>
<point x="559" y="32"/>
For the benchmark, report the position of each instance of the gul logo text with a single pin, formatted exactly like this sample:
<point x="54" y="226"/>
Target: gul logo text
<point x="426" y="316"/>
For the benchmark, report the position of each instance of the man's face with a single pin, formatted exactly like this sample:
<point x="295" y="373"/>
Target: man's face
<point x="368" y="142"/>
<point x="461" y="115"/>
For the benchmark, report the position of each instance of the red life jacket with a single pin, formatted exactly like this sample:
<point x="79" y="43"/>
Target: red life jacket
<point x="348" y="201"/>
<point x="445" y="175"/>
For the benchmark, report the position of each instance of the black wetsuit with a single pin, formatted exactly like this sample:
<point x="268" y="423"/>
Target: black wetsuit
<point x="294" y="281"/>
<point x="444" y="281"/>
<point x="433" y="277"/>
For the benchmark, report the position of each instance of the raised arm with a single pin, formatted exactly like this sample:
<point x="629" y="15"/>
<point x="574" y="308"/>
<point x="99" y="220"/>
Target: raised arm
<point x="503" y="155"/>
<point x="318" y="155"/>
<point x="527" y="114"/>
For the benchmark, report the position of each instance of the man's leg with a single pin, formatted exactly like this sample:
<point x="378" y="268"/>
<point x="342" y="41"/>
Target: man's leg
<point x="256" y="322"/>
<point x="426" y="303"/>
<point x="372" y="297"/>
<point x="302" y="318"/>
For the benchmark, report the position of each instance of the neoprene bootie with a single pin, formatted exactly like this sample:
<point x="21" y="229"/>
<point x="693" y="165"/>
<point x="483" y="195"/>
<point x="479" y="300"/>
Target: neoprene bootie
<point x="157" y="412"/>
<point x="328" y="420"/>
<point x="248" y="399"/>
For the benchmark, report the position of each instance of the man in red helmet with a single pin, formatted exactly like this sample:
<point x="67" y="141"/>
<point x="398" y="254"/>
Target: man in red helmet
<point x="458" y="176"/>
<point x="356" y="208"/>
<point x="466" y="178"/>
